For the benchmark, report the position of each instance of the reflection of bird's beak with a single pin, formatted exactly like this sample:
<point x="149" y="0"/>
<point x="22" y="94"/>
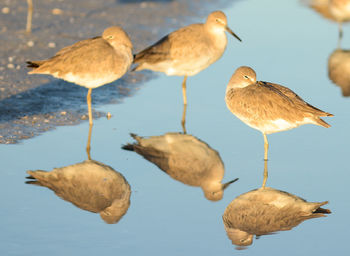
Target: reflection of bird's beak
<point x="224" y="186"/>
<point x="231" y="32"/>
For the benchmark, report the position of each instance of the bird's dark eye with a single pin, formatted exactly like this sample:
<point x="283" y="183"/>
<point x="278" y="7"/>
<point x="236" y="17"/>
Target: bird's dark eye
<point x="246" y="77"/>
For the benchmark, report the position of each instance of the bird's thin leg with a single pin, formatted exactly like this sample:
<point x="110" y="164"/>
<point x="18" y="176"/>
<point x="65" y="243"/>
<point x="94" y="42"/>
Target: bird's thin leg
<point x="88" y="147"/>
<point x="88" y="99"/>
<point x="184" y="90"/>
<point x="29" y="16"/>
<point x="183" y="120"/>
<point x="266" y="146"/>
<point x="265" y="174"/>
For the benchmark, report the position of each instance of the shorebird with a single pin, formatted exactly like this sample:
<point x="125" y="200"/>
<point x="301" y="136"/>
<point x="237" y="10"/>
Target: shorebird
<point x="268" y="107"/>
<point x="334" y="10"/>
<point x="320" y="6"/>
<point x="265" y="211"/>
<point x="187" y="51"/>
<point x="90" y="63"/>
<point x="340" y="10"/>
<point x="186" y="159"/>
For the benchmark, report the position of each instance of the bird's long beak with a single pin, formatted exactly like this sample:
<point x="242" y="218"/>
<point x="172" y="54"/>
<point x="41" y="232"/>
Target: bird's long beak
<point x="231" y="32"/>
<point x="224" y="186"/>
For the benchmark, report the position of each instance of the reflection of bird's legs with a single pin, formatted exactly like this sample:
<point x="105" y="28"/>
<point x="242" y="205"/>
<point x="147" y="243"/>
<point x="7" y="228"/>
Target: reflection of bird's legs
<point x="88" y="99"/>
<point x="265" y="174"/>
<point x="183" y="120"/>
<point x="184" y="90"/>
<point x="29" y="16"/>
<point x="266" y="146"/>
<point x="88" y="147"/>
<point x="340" y="34"/>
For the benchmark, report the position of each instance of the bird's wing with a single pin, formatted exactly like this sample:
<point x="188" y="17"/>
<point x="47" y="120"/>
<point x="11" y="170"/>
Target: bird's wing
<point x="67" y="60"/>
<point x="178" y="44"/>
<point x="77" y="45"/>
<point x="154" y="53"/>
<point x="292" y="97"/>
<point x="159" y="158"/>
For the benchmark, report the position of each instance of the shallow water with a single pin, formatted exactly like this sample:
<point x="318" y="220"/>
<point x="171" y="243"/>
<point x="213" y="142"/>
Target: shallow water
<point x="286" y="43"/>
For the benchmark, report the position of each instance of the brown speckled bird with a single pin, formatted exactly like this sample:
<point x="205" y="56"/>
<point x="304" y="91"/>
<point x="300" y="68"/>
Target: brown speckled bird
<point x="188" y="50"/>
<point x="90" y="63"/>
<point x="268" y="107"/>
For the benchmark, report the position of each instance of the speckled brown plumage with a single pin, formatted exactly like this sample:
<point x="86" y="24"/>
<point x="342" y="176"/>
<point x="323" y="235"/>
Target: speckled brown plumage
<point x="262" y="102"/>
<point x="188" y="50"/>
<point x="90" y="63"/>
<point x="268" y="107"/>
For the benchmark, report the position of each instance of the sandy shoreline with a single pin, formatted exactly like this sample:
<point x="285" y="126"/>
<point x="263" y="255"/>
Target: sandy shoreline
<point x="30" y="105"/>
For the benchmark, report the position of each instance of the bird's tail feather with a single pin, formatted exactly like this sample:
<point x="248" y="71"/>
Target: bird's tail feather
<point x="320" y="122"/>
<point x="32" y="64"/>
<point x="322" y="210"/>
<point x="129" y="147"/>
<point x="35" y="177"/>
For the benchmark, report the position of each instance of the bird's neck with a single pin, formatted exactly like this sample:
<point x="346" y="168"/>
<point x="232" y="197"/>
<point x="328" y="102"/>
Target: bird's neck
<point x="126" y="52"/>
<point x="218" y="36"/>
<point x="234" y="86"/>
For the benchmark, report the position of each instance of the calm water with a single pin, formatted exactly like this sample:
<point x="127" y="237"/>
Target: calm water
<point x="285" y="43"/>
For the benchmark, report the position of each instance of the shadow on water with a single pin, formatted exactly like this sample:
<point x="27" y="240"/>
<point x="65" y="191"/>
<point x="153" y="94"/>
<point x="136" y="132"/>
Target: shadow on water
<point x="265" y="211"/>
<point x="90" y="185"/>
<point x="58" y="103"/>
<point x="59" y="95"/>
<point x="185" y="158"/>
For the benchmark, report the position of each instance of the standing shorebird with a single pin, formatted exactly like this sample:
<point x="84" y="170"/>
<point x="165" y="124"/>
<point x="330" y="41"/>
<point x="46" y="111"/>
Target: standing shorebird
<point x="90" y="63"/>
<point x="268" y="107"/>
<point x="189" y="50"/>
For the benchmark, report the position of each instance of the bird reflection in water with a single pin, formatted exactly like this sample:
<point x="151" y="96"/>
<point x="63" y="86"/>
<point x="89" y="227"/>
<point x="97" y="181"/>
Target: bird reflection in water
<point x="339" y="69"/>
<point x="90" y="185"/>
<point x="265" y="211"/>
<point x="186" y="159"/>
